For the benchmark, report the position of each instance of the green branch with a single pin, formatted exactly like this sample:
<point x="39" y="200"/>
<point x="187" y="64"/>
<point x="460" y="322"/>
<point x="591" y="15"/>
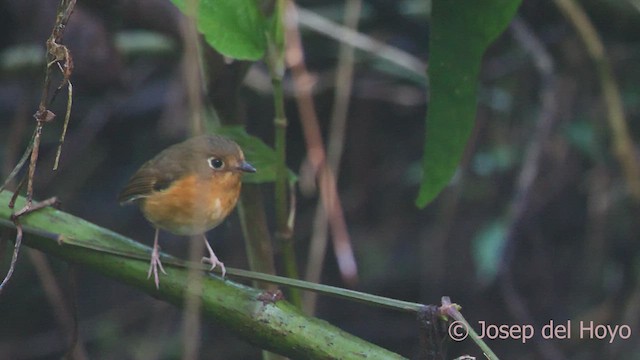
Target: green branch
<point x="264" y="321"/>
<point x="284" y="228"/>
<point x="276" y="326"/>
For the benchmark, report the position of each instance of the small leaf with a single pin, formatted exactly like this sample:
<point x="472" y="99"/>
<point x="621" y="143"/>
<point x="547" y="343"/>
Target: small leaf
<point x="257" y="153"/>
<point x="235" y="28"/>
<point x="460" y="33"/>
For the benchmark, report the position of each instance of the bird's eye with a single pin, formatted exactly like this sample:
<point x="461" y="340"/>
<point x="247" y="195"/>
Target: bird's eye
<point x="215" y="163"/>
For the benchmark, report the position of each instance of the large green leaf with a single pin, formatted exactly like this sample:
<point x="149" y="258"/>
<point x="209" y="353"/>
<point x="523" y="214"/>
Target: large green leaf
<point x="235" y="28"/>
<point x="461" y="31"/>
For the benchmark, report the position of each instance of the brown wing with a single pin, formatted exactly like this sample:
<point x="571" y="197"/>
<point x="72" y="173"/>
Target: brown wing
<point x="150" y="179"/>
<point x="142" y="184"/>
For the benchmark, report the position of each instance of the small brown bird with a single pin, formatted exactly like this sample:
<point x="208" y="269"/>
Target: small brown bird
<point x="188" y="189"/>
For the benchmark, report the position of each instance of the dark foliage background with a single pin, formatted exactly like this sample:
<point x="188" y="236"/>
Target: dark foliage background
<point x="576" y="255"/>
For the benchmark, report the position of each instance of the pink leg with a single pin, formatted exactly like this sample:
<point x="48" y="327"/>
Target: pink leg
<point x="155" y="261"/>
<point x="212" y="259"/>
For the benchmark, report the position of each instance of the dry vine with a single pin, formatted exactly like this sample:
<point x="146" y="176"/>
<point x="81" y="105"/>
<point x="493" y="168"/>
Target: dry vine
<point x="59" y="56"/>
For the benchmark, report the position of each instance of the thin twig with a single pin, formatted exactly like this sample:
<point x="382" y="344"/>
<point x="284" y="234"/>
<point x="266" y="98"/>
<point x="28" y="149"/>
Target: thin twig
<point x="360" y="41"/>
<point x="60" y="56"/>
<point x="16" y="221"/>
<point x="18" y="166"/>
<point x="75" y="346"/>
<point x="253" y="221"/>
<point x="13" y="148"/>
<point x="18" y="241"/>
<point x="191" y="316"/>
<point x="14" y="196"/>
<point x="284" y="228"/>
<point x="344" y="83"/>
<point x="529" y="173"/>
<point x="453" y="311"/>
<point x="35" y="207"/>
<point x="623" y="146"/>
<point x="33" y="159"/>
<point x="192" y="74"/>
<point x="316" y="153"/>
<point x="67" y="116"/>
<point x="65" y="317"/>
<point x="16" y="252"/>
<point x="142" y="254"/>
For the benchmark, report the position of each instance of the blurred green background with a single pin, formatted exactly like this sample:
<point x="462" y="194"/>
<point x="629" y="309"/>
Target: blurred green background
<point x="574" y="254"/>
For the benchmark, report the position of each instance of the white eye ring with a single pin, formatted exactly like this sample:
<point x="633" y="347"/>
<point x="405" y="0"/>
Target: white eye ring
<point x="215" y="163"/>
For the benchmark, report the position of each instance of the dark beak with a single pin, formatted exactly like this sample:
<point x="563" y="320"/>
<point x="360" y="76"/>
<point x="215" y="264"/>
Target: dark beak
<point x="246" y="167"/>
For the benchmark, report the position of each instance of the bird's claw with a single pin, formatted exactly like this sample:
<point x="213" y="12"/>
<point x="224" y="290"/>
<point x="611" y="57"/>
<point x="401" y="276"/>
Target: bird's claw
<point x="213" y="260"/>
<point x="153" y="267"/>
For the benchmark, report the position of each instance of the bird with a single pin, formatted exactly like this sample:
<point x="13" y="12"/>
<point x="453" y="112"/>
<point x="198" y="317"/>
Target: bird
<point x="188" y="189"/>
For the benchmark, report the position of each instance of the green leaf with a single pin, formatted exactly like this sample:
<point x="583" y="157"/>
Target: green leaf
<point x="277" y="24"/>
<point x="235" y="28"/>
<point x="460" y="33"/>
<point x="257" y="153"/>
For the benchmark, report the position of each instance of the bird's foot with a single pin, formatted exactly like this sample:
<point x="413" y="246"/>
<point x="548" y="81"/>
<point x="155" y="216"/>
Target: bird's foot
<point x="154" y="265"/>
<point x="213" y="259"/>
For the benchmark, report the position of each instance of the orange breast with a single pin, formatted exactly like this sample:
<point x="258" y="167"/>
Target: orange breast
<point x="193" y="205"/>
